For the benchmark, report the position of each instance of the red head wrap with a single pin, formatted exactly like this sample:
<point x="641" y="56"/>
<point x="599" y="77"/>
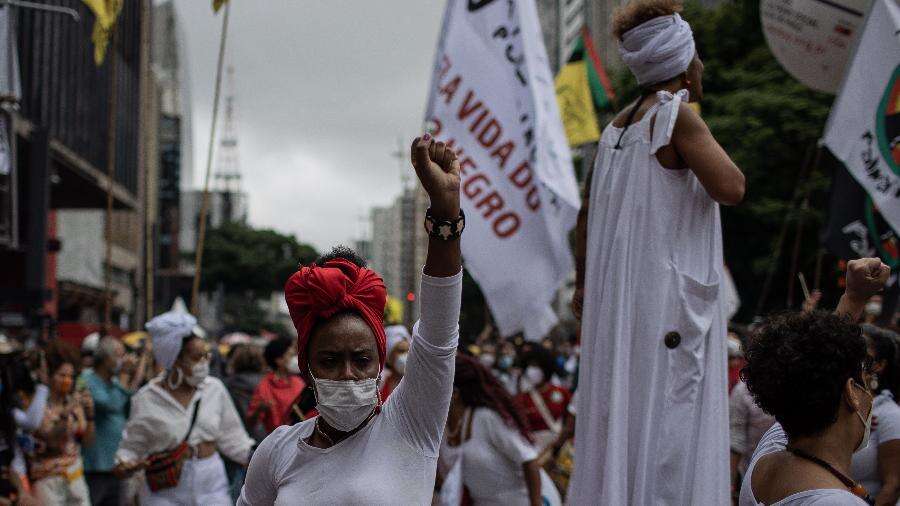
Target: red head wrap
<point x="317" y="293"/>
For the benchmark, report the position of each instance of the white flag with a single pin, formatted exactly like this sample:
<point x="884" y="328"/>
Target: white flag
<point x="864" y="127"/>
<point x="493" y="99"/>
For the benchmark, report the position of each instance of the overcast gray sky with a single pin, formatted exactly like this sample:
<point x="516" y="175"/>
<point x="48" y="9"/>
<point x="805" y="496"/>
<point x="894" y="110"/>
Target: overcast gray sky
<point x="324" y="89"/>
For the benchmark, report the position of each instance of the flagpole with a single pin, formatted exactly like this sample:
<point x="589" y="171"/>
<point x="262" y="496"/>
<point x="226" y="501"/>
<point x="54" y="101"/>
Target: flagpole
<point x="204" y="208"/>
<point x="112" y="104"/>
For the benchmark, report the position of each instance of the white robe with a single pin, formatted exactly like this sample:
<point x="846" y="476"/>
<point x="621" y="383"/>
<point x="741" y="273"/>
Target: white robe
<point x="652" y="425"/>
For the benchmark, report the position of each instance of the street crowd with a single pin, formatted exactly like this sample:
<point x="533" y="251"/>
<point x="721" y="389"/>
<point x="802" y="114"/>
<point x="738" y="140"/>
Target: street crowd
<point x="643" y="406"/>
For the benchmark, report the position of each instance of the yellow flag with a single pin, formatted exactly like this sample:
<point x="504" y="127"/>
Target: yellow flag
<point x="105" y="12"/>
<point x="217" y="4"/>
<point x="573" y="93"/>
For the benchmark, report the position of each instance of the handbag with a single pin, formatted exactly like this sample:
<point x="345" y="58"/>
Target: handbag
<point x="164" y="468"/>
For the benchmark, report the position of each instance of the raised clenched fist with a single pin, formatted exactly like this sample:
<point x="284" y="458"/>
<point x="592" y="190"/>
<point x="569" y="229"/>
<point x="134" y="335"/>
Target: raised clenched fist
<point x="437" y="167"/>
<point x="865" y="278"/>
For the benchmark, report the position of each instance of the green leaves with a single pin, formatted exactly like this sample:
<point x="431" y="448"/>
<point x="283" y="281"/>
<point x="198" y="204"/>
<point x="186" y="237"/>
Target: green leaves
<point x="240" y="259"/>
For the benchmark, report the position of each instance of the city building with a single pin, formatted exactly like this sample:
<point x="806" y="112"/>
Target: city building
<point x="55" y="126"/>
<point x="172" y="278"/>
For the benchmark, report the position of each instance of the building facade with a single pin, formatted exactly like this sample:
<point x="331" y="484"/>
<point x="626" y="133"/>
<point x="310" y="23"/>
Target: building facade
<point x="57" y="129"/>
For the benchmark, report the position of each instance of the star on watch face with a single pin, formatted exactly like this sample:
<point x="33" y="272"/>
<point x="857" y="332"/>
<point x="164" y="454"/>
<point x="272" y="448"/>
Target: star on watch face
<point x="444" y="231"/>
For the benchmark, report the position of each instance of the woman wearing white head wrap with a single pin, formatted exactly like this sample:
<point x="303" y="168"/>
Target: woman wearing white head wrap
<point x="162" y="413"/>
<point x="652" y="409"/>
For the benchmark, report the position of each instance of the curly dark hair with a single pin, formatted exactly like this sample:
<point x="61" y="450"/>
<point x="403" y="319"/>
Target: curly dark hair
<point x="637" y="12"/>
<point x="478" y="388"/>
<point x="59" y="353"/>
<point x="342" y="252"/>
<point x="798" y="365"/>
<point x="885" y="344"/>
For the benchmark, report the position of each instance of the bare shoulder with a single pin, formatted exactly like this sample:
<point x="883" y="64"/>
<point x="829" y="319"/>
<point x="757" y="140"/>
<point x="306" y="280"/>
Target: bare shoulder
<point x="688" y="121"/>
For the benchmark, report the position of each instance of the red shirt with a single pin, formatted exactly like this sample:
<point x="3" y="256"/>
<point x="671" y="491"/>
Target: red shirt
<point x="388" y="385"/>
<point x="734" y="373"/>
<point x="273" y="398"/>
<point x="556" y="399"/>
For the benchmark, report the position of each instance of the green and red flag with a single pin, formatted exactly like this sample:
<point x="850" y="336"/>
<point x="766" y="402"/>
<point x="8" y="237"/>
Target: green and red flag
<point x="600" y="85"/>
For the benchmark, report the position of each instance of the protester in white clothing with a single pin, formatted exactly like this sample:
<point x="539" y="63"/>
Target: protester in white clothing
<point x="811" y="371"/>
<point x="653" y="420"/>
<point x="877" y="466"/>
<point x="358" y="451"/>
<point x="488" y="435"/>
<point x="184" y="414"/>
<point x="748" y="424"/>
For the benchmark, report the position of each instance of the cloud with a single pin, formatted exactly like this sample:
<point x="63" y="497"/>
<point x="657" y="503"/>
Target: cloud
<point x="324" y="89"/>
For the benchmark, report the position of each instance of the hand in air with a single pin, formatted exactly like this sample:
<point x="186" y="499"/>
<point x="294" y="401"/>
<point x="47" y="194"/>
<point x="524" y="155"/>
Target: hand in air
<point x="865" y="278"/>
<point x="437" y="167"/>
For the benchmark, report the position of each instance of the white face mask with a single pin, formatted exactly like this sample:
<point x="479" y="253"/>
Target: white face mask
<point x="199" y="372"/>
<point x="293" y="365"/>
<point x="534" y="375"/>
<point x="873" y="308"/>
<point x="400" y="363"/>
<point x="487" y="360"/>
<point x="867" y="423"/>
<point x="345" y="405"/>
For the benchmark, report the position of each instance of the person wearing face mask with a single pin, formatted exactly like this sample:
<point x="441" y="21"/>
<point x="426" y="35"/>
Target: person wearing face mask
<point x="877" y="467"/>
<point x="56" y="469"/>
<point x="543" y="403"/>
<point x="110" y="406"/>
<point x="488" y="444"/>
<point x="276" y="392"/>
<point x="180" y="421"/>
<point x="396" y="366"/>
<point x="812" y="372"/>
<point x="359" y="450"/>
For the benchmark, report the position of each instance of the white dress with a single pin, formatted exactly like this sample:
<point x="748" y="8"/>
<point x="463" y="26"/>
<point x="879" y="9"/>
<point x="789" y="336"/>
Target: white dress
<point x="773" y="441"/>
<point x="652" y="424"/>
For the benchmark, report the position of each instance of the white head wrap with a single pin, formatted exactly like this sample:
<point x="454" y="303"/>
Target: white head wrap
<point x="659" y="49"/>
<point x="167" y="331"/>
<point x="395" y="334"/>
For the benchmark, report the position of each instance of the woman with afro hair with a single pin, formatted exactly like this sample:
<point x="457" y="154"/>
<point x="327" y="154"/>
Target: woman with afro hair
<point x="812" y="372"/>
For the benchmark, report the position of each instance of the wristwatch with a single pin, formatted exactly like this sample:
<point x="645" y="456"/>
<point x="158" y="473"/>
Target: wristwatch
<point x="445" y="230"/>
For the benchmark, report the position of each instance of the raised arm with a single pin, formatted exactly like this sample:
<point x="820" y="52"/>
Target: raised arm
<point x="419" y="404"/>
<point x="865" y="278"/>
<point x="700" y="151"/>
<point x="438" y="170"/>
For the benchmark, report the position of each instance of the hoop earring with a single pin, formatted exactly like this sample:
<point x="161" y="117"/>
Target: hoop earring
<point x="177" y="383"/>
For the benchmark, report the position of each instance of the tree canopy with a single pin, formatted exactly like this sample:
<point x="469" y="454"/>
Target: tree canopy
<point x="241" y="259"/>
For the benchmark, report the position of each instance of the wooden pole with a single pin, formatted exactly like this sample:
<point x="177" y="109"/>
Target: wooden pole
<point x="204" y="207"/>
<point x="112" y="104"/>
<point x="147" y="91"/>
<point x="795" y="255"/>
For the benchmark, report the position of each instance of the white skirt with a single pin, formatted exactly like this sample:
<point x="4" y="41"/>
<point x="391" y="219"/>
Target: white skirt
<point x="203" y="482"/>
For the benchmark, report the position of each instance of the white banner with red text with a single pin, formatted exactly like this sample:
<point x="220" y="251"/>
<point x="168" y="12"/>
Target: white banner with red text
<point x="493" y="99"/>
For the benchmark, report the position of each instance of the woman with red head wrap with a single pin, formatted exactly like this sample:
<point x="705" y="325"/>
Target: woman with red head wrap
<point x="358" y="451"/>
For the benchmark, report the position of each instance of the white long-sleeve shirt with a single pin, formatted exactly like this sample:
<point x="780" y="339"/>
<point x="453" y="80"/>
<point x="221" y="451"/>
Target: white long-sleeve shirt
<point x="393" y="459"/>
<point x="31" y="418"/>
<point x="158" y="422"/>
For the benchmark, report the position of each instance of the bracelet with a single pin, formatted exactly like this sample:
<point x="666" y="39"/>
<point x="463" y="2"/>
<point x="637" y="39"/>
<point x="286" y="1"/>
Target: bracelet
<point x="445" y="230"/>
